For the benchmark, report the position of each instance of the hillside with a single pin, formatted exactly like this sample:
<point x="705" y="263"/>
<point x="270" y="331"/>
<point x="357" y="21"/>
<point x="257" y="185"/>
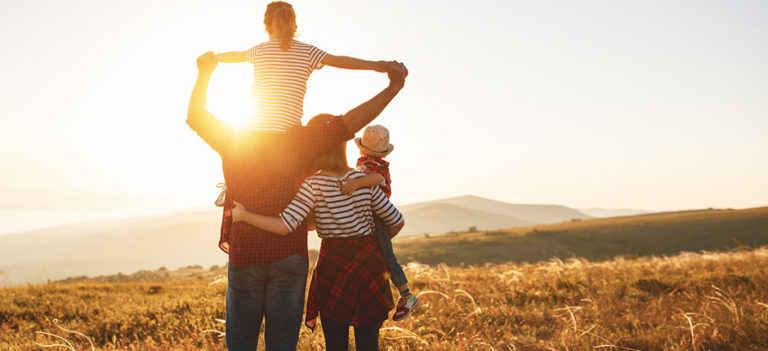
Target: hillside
<point x="189" y="237"/>
<point x="609" y="212"/>
<point x="441" y="218"/>
<point x="108" y="247"/>
<point x="530" y="213"/>
<point x="653" y="234"/>
<point x="707" y="301"/>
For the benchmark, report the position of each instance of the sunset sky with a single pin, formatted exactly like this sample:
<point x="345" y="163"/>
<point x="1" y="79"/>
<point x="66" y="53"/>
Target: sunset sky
<point x="658" y="105"/>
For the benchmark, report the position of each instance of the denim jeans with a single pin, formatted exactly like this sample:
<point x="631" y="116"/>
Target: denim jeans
<point x="382" y="234"/>
<point x="273" y="291"/>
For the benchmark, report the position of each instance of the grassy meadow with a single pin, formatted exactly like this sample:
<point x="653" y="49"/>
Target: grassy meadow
<point x="691" y="301"/>
<point x="594" y="239"/>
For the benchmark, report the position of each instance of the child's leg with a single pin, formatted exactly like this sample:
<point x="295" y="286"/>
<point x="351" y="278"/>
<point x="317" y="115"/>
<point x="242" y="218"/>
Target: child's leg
<point x="396" y="274"/>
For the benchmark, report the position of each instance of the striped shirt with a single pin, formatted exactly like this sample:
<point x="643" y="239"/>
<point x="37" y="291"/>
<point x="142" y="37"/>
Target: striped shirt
<point x="280" y="82"/>
<point x="338" y="215"/>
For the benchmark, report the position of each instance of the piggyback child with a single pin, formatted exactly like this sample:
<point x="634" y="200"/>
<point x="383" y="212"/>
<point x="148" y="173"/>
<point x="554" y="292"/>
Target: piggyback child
<point x="374" y="147"/>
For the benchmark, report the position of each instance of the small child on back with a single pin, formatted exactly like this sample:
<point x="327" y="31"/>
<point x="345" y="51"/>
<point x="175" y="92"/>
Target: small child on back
<point x="374" y="146"/>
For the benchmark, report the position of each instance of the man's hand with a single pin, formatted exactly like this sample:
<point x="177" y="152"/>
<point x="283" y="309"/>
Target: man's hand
<point x="206" y="63"/>
<point x="397" y="73"/>
<point x="360" y="116"/>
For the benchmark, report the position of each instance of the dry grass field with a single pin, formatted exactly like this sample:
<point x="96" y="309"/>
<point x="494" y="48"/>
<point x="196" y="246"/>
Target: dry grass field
<point x="691" y="301"/>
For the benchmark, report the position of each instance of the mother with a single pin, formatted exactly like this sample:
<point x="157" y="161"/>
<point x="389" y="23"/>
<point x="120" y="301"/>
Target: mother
<point x="349" y="285"/>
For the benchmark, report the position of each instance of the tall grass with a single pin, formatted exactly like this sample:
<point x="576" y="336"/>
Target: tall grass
<point x="692" y="301"/>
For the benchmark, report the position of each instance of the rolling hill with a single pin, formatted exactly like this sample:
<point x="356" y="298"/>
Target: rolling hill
<point x="189" y="238"/>
<point x="443" y="217"/>
<point x="607" y="212"/>
<point x="595" y="239"/>
<point x="525" y="212"/>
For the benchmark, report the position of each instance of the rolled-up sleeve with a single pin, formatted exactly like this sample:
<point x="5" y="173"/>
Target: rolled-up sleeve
<point x="383" y="208"/>
<point x="299" y="207"/>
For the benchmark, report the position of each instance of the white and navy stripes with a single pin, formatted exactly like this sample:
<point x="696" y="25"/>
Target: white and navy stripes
<point x="280" y="82"/>
<point x="338" y="215"/>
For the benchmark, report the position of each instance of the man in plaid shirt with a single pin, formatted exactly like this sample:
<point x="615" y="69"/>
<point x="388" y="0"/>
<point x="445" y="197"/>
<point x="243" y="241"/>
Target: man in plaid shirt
<point x="267" y="272"/>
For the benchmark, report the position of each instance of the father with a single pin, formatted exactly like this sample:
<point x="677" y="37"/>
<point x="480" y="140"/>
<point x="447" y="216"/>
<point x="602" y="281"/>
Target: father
<point x="267" y="272"/>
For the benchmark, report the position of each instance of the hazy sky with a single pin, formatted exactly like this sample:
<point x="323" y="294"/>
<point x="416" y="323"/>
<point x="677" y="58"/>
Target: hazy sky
<point x="647" y="104"/>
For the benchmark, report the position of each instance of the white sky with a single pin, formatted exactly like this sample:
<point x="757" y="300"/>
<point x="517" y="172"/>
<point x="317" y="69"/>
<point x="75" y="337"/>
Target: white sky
<point x="648" y="104"/>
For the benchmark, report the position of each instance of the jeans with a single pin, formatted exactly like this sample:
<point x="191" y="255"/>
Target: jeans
<point x="382" y="234"/>
<point x="273" y="291"/>
<point x="337" y="335"/>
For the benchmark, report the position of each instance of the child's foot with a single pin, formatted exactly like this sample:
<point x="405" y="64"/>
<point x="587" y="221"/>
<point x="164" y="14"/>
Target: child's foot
<point x="404" y="307"/>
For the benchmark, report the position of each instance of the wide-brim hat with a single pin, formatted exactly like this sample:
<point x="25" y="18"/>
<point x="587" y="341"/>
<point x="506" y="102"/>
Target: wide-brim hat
<point x="375" y="141"/>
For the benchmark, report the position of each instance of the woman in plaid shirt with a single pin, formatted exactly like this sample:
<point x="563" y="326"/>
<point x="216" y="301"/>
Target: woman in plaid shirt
<point x="349" y="284"/>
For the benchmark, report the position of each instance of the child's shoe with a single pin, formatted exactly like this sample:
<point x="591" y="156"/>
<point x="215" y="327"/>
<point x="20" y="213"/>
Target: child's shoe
<point x="223" y="196"/>
<point x="404" y="307"/>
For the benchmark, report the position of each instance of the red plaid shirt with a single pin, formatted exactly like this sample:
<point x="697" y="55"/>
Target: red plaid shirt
<point x="373" y="164"/>
<point x="263" y="172"/>
<point x="350" y="282"/>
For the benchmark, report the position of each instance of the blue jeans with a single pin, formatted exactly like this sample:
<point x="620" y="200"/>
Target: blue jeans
<point x="382" y="234"/>
<point x="273" y="291"/>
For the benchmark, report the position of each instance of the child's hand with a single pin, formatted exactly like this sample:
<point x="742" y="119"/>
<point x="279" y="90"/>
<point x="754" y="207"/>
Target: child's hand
<point x="350" y="187"/>
<point x="397" y="68"/>
<point x="237" y="212"/>
<point x="206" y="63"/>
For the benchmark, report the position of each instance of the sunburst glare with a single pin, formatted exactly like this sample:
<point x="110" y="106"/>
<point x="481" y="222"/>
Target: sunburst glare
<point x="228" y="96"/>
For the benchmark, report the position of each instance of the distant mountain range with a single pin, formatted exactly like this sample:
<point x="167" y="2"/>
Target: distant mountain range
<point x="460" y="213"/>
<point x="189" y="238"/>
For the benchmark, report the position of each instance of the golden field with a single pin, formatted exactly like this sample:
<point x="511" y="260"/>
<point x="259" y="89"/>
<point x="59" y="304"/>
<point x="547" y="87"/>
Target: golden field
<point x="691" y="301"/>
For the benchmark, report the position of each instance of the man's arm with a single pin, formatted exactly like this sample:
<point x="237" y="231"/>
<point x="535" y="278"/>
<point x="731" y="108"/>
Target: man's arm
<point x="347" y="62"/>
<point x="360" y="116"/>
<point x="213" y="131"/>
<point x="313" y="140"/>
<point x="231" y="57"/>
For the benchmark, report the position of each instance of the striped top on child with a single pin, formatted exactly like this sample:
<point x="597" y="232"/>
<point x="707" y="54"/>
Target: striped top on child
<point x="280" y="82"/>
<point x="338" y="215"/>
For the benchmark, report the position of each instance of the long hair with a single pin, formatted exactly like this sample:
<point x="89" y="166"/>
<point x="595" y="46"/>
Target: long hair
<point x="280" y="21"/>
<point x="335" y="159"/>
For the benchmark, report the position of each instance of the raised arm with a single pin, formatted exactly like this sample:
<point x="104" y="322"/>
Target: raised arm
<point x="231" y="57"/>
<point x="214" y="131"/>
<point x="271" y="224"/>
<point x="360" y="116"/>
<point x="372" y="179"/>
<point x="347" y="62"/>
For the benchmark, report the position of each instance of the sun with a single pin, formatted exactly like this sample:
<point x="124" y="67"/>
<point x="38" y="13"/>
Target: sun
<point x="228" y="93"/>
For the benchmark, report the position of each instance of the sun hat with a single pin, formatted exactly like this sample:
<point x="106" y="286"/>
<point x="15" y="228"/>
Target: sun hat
<point x="375" y="141"/>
